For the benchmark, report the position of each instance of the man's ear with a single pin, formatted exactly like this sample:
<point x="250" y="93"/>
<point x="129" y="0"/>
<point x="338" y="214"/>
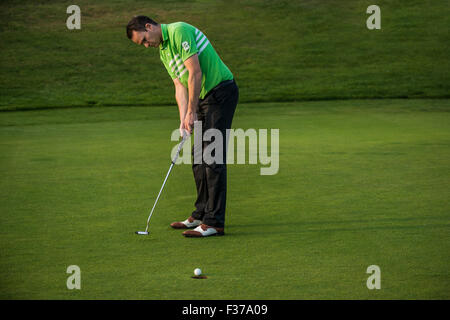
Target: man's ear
<point x="148" y="26"/>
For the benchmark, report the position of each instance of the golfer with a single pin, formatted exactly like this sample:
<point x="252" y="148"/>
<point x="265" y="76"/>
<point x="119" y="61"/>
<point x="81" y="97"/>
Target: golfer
<point x="205" y="91"/>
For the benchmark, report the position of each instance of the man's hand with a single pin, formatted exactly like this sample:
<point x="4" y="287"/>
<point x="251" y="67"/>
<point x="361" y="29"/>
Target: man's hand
<point x="182" y="128"/>
<point x="189" y="121"/>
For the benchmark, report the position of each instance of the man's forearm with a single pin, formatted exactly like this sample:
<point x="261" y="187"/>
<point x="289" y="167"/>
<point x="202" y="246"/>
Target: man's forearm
<point x="181" y="95"/>
<point x="192" y="64"/>
<point x="195" y="85"/>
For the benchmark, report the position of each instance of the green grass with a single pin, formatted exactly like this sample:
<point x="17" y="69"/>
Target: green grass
<point x="277" y="50"/>
<point x="360" y="183"/>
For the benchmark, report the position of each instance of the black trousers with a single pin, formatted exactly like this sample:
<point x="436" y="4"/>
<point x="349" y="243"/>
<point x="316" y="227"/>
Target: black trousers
<point x="216" y="111"/>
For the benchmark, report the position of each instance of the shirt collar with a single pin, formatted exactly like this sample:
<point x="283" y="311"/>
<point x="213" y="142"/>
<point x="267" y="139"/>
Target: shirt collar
<point x="165" y="36"/>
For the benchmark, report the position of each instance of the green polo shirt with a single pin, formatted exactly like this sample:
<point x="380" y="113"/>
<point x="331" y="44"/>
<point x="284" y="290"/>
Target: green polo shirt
<point x="181" y="41"/>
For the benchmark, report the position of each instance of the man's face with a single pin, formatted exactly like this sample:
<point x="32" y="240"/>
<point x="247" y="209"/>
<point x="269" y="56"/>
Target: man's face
<point x="148" y="38"/>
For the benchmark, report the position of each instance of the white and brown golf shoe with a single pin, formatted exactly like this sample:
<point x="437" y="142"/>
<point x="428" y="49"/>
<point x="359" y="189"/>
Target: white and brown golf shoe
<point x="186" y="224"/>
<point x="203" y="231"/>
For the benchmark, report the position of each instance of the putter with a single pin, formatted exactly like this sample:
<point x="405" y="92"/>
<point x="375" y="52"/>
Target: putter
<point x="164" y="183"/>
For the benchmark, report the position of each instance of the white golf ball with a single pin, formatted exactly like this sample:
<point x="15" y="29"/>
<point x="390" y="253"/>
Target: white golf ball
<point x="197" y="272"/>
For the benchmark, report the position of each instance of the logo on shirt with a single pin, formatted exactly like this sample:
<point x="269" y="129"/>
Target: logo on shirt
<point x="185" y="46"/>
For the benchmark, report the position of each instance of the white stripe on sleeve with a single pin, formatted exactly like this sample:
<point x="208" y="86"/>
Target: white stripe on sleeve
<point x="203" y="48"/>
<point x="200" y="42"/>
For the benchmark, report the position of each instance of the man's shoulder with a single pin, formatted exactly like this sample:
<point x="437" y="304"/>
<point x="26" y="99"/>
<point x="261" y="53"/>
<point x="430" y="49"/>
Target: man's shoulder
<point x="179" y="27"/>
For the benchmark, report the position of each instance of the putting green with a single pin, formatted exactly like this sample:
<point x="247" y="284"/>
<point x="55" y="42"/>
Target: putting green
<point x="360" y="183"/>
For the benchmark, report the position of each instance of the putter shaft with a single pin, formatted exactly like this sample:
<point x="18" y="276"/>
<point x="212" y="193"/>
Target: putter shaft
<point x="159" y="194"/>
<point x="165" y="180"/>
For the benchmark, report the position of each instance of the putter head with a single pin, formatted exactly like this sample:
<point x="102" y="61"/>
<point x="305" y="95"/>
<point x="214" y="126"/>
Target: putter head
<point x="142" y="232"/>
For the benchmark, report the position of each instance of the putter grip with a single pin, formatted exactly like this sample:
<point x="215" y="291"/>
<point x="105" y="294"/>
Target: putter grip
<point x="179" y="148"/>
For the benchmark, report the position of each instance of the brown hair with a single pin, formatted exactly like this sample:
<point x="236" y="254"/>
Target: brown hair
<point x="138" y="24"/>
